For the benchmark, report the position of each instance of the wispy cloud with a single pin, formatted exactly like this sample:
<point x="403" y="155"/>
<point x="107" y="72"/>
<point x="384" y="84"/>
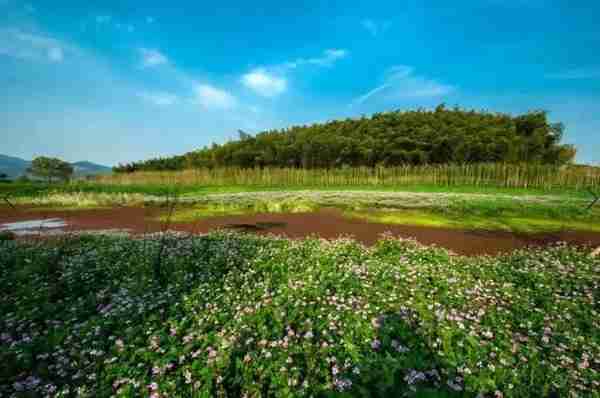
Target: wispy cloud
<point x="575" y="74"/>
<point x="33" y="46"/>
<point x="55" y="54"/>
<point x="271" y="81"/>
<point x="327" y="59"/>
<point x="108" y="20"/>
<point x="211" y="97"/>
<point x="264" y="83"/>
<point x="159" y="98"/>
<point x="152" y="58"/>
<point x="374" y="27"/>
<point x="402" y="82"/>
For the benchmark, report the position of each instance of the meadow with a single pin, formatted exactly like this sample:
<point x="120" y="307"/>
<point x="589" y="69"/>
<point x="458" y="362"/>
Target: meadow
<point x="239" y="315"/>
<point x="489" y="207"/>
<point x="244" y="316"/>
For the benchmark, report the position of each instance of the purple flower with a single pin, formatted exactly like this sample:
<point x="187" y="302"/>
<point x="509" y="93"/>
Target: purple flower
<point x="342" y="384"/>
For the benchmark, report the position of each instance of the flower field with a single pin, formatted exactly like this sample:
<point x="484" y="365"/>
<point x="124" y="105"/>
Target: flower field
<point x="234" y="315"/>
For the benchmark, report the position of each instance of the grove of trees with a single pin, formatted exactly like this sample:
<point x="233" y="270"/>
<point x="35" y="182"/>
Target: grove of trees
<point x="50" y="168"/>
<point x="389" y="139"/>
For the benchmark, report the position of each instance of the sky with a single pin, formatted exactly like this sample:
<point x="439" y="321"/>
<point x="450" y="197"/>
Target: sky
<point x="119" y="81"/>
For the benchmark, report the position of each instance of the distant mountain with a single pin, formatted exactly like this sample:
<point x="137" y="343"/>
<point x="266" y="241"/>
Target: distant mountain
<point x="85" y="168"/>
<point x="15" y="167"/>
<point x="12" y="166"/>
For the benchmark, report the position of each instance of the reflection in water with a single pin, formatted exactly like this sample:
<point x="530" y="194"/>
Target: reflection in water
<point x="32" y="227"/>
<point x="259" y="226"/>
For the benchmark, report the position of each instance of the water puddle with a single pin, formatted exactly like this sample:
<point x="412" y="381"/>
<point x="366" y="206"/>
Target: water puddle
<point x="254" y="227"/>
<point x="33" y="227"/>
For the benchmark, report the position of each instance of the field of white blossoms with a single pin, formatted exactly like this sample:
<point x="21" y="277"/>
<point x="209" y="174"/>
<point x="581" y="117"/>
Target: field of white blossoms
<point x="244" y="316"/>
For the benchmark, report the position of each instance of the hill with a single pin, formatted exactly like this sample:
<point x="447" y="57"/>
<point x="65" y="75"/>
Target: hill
<point x="85" y="168"/>
<point x="392" y="138"/>
<point x="15" y="167"/>
<point x="12" y="166"/>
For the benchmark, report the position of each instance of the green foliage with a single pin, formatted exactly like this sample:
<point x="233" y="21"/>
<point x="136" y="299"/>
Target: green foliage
<point x="49" y="168"/>
<point x="248" y="316"/>
<point x="6" y="235"/>
<point x="504" y="175"/>
<point x="390" y="139"/>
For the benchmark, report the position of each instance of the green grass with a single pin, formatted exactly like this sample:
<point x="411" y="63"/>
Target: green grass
<point x="463" y="221"/>
<point x="518" y="210"/>
<point x="198" y="212"/>
<point x="36" y="189"/>
<point x="492" y="212"/>
<point x="239" y="315"/>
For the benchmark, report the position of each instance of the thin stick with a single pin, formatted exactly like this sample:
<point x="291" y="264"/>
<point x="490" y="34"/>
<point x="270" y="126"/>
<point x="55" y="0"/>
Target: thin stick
<point x="596" y="199"/>
<point x="5" y="198"/>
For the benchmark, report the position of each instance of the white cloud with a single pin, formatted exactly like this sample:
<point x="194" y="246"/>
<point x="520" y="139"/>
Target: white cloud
<point x="159" y="98"/>
<point x="272" y="81"/>
<point x="328" y="58"/>
<point x="55" y="54"/>
<point x="211" y="97"/>
<point x="264" y="83"/>
<point x="401" y="82"/>
<point x="152" y="58"/>
<point x="575" y="74"/>
<point x="32" y="46"/>
<point x="375" y="28"/>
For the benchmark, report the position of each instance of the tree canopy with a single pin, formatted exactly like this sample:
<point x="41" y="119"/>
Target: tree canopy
<point x="389" y="139"/>
<point x="49" y="168"/>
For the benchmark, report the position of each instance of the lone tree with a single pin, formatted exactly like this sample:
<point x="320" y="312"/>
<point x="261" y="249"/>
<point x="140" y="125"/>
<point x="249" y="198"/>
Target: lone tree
<point x="49" y="168"/>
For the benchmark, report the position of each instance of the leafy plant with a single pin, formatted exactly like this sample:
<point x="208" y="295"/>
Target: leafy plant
<point x="240" y="315"/>
<point x="49" y="168"/>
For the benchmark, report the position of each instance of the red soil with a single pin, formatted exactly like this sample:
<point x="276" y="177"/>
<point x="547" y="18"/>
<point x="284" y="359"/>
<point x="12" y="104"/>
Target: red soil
<point x="326" y="223"/>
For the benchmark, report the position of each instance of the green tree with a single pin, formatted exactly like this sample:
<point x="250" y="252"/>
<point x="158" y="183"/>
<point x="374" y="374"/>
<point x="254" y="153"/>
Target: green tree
<point x="417" y="137"/>
<point x="50" y="168"/>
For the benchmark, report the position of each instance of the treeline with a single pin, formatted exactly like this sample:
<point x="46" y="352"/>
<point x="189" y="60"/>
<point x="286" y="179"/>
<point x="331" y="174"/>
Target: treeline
<point x="386" y="139"/>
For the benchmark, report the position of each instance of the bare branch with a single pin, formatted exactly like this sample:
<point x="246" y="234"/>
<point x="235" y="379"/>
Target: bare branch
<point x="594" y="201"/>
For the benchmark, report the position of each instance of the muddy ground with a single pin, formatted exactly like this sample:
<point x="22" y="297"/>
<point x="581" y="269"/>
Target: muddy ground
<point x="325" y="223"/>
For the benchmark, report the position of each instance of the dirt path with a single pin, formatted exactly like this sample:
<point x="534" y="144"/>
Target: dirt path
<point x="326" y="223"/>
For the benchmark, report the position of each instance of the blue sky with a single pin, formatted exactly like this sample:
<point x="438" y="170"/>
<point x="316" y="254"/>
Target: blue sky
<point x="116" y="81"/>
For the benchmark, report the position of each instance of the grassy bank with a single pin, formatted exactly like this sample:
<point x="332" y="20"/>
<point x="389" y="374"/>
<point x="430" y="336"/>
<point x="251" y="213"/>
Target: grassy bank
<point x="449" y="210"/>
<point x="31" y="191"/>
<point x="461" y="207"/>
<point x="230" y="315"/>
